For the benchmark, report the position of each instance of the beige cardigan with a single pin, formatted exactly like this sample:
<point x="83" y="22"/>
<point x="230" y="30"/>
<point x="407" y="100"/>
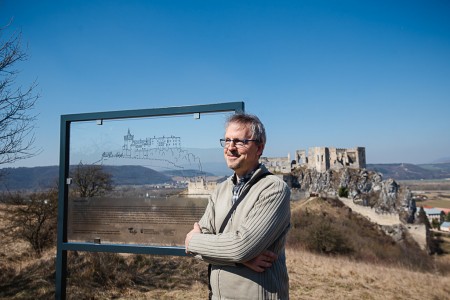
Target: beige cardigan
<point x="260" y="222"/>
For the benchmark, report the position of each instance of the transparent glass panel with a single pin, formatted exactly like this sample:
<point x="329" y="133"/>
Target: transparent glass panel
<point x="142" y="181"/>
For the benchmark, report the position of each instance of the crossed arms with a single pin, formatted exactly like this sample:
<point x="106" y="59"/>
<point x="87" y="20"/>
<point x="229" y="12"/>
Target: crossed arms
<point x="253" y="240"/>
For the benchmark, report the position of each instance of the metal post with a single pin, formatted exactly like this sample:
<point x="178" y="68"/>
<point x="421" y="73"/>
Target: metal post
<point x="61" y="254"/>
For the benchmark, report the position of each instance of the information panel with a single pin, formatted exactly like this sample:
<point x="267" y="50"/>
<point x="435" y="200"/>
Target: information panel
<point x="142" y="181"/>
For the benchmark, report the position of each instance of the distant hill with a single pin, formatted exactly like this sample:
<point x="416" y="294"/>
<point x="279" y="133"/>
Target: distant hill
<point x="37" y="178"/>
<point x="412" y="172"/>
<point x="186" y="173"/>
<point x="28" y="178"/>
<point x="442" y="160"/>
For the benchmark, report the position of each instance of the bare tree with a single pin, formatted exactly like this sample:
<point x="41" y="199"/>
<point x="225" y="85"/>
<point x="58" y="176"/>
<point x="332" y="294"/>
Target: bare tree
<point x="16" y="121"/>
<point x="31" y="218"/>
<point x="91" y="180"/>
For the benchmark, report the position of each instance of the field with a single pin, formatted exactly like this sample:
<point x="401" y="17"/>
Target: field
<point x="434" y="193"/>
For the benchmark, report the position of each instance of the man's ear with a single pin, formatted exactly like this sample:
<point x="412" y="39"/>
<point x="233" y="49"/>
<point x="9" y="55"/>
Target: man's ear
<point x="260" y="150"/>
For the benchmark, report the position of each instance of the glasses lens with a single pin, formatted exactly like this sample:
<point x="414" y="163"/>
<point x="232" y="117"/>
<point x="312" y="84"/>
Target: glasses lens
<point x="239" y="143"/>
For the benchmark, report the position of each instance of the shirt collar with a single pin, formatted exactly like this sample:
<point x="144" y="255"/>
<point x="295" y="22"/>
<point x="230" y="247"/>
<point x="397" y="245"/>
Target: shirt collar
<point x="246" y="177"/>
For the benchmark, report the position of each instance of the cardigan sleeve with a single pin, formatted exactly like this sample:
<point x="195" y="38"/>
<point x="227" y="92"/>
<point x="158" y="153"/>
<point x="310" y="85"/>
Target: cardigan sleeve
<point x="266" y="222"/>
<point x="207" y="221"/>
<point x="207" y="225"/>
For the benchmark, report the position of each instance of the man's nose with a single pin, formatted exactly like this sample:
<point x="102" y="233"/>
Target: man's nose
<point x="232" y="145"/>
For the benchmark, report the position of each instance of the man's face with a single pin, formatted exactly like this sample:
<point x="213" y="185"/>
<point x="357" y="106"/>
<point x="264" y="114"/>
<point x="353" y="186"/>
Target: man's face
<point x="245" y="159"/>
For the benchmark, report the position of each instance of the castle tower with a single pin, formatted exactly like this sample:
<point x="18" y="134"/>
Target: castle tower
<point x="361" y="157"/>
<point x="300" y="157"/>
<point x="319" y="158"/>
<point x="127" y="142"/>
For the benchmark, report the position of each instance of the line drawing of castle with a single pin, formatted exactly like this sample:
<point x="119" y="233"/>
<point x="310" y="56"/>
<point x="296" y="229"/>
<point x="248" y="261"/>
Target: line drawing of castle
<point x="142" y="146"/>
<point x="165" y="149"/>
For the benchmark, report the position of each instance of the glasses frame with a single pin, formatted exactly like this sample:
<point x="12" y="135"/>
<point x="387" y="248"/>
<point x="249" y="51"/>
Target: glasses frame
<point x="238" y="143"/>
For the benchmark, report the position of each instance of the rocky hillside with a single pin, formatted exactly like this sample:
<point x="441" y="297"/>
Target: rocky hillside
<point x="365" y="187"/>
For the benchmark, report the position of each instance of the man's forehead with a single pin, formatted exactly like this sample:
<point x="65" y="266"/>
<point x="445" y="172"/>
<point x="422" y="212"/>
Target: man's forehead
<point x="237" y="127"/>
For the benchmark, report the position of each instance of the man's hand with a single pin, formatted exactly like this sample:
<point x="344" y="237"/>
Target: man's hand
<point x="261" y="262"/>
<point x="195" y="230"/>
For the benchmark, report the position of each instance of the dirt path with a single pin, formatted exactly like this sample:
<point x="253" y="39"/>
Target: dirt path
<point x="381" y="219"/>
<point x="418" y="232"/>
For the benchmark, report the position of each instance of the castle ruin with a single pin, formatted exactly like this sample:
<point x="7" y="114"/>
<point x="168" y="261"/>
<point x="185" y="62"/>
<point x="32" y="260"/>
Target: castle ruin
<point x="282" y="165"/>
<point x="320" y="159"/>
<point x="201" y="187"/>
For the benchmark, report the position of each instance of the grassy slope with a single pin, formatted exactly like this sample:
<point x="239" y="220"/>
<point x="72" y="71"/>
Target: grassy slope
<point x="312" y="276"/>
<point x="106" y="276"/>
<point x="317" y="277"/>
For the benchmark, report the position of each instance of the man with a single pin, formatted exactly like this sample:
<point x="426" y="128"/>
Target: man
<point x="248" y="258"/>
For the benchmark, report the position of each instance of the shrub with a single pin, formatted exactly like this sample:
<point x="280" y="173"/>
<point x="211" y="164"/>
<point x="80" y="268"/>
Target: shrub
<point x="33" y="219"/>
<point x="343" y="192"/>
<point x="324" y="238"/>
<point x="318" y="233"/>
<point x="435" y="224"/>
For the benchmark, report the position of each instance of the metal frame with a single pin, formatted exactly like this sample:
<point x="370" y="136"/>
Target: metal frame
<point x="62" y="244"/>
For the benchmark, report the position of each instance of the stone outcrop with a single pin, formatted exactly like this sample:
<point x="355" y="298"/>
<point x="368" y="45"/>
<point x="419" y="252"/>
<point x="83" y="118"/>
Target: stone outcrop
<point x="364" y="187"/>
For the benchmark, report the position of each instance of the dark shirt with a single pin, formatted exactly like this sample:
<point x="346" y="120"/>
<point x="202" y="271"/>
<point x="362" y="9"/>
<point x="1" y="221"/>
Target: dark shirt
<point x="237" y="188"/>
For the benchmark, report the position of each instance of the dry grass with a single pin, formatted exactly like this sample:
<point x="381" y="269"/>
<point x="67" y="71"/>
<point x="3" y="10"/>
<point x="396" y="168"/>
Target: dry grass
<point x="109" y="275"/>
<point x="317" y="277"/>
<point x="195" y="292"/>
<point x="312" y="276"/>
<point x="114" y="276"/>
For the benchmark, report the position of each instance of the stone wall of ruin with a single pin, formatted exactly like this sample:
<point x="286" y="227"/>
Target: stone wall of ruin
<point x="277" y="164"/>
<point x="320" y="159"/>
<point x="200" y="187"/>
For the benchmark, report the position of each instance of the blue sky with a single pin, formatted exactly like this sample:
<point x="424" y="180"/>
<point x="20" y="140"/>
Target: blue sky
<point x="374" y="74"/>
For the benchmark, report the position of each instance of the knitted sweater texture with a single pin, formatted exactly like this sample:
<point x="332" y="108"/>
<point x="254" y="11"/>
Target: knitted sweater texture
<point x="261" y="221"/>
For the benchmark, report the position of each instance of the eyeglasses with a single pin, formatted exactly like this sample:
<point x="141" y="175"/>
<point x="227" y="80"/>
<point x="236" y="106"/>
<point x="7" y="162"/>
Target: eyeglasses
<point x="237" y="142"/>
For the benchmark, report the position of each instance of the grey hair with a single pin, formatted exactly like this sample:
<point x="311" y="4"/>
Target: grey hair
<point x="253" y="122"/>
